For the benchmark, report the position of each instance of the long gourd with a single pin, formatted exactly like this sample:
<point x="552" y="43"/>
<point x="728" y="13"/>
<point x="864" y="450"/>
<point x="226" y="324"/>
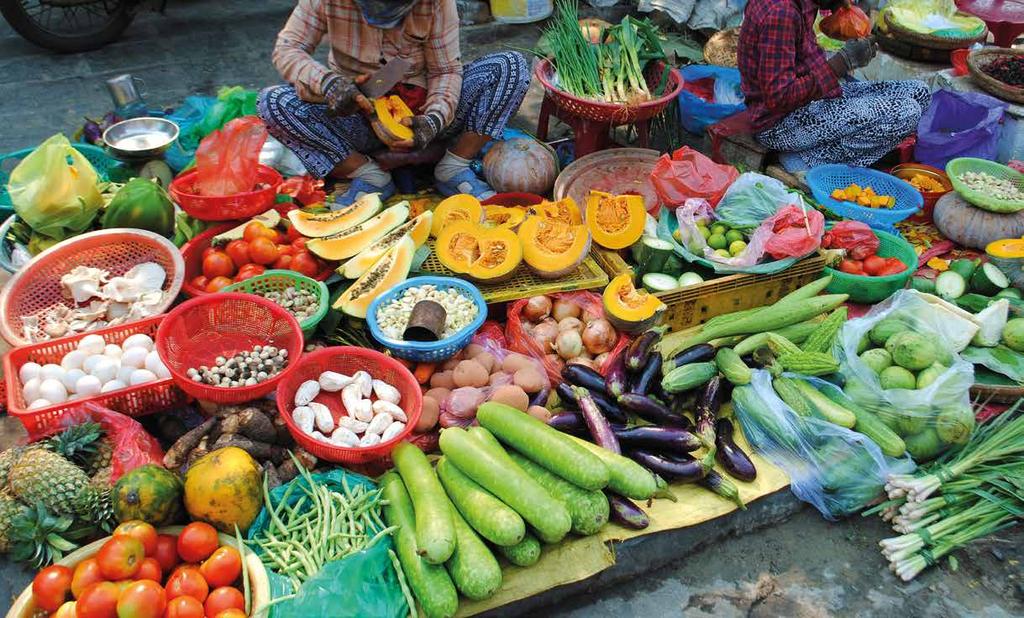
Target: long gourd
<point x="805" y="292"/>
<point x="435" y="531"/>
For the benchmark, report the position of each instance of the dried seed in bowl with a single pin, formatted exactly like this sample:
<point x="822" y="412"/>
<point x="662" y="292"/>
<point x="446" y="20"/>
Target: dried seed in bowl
<point x="461" y="310"/>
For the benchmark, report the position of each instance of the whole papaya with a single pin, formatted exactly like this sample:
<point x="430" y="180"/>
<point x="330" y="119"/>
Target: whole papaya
<point x="141" y="204"/>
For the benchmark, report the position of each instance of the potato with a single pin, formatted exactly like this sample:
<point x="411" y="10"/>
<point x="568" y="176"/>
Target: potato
<point x="486" y="359"/>
<point x="472" y="350"/>
<point x="438" y="394"/>
<point x="442" y="379"/>
<point x="539" y="412"/>
<point x="500" y="379"/>
<point x="451" y="363"/>
<point x="470" y="373"/>
<point x="511" y="395"/>
<point x="428" y="417"/>
<point x="529" y="379"/>
<point x="516" y="361"/>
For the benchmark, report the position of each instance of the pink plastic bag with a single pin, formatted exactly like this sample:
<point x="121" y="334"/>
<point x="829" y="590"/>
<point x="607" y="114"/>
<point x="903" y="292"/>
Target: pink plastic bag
<point x="689" y="174"/>
<point x="793" y="233"/>
<point x="854" y="236"/>
<point x="227" y="160"/>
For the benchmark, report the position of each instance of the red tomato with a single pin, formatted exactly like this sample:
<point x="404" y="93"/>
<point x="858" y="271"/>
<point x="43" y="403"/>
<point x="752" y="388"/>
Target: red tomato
<point x="184" y="607"/>
<point x="86" y="574"/>
<point x="873" y="264"/>
<point x="197" y="541"/>
<point x="300" y="243"/>
<point x="223" y="567"/>
<point x="255" y="230"/>
<point x="52" y="586"/>
<point x="282" y="263"/>
<point x="233" y="612"/>
<point x="150" y="569"/>
<point x="290" y="233"/>
<point x="223" y="598"/>
<point x="207" y="251"/>
<point x="65" y="611"/>
<point x="217" y="283"/>
<point x="238" y="251"/>
<point x="852" y="267"/>
<point x="893" y="266"/>
<point x="142" y="599"/>
<point x="187" y="581"/>
<point x="166" y="552"/>
<point x="286" y="250"/>
<point x="263" y="251"/>
<point x="98" y="601"/>
<point x="140" y="530"/>
<point x="201" y="281"/>
<point x="305" y="263"/>
<point x="218" y="264"/>
<point x="121" y="557"/>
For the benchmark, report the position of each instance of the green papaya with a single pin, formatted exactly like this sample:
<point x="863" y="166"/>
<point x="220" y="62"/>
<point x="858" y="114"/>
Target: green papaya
<point x="141" y="204"/>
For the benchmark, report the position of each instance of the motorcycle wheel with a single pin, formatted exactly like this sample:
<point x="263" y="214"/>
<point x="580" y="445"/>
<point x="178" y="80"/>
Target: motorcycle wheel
<point x="68" y="26"/>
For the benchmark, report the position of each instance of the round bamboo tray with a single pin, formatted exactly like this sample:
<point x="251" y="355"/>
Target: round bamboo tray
<point x="978" y="60"/>
<point x="991" y="393"/>
<point x="259" y="584"/>
<point x="907" y="35"/>
<point x="722" y="48"/>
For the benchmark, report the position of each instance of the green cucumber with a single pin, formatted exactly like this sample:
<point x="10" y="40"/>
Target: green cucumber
<point x="871" y="426"/>
<point x="524" y="553"/>
<point x="923" y="285"/>
<point x="589" y="510"/>
<point x="975" y="303"/>
<point x="492" y="518"/>
<point x="430" y="583"/>
<point x="435" y="533"/>
<point x="950" y="285"/>
<point x="688" y="377"/>
<point x="988" y="280"/>
<point x="674" y="266"/>
<point x="543" y="444"/>
<point x="495" y="471"/>
<point x="964" y="267"/>
<point x="791" y="396"/>
<point x="473" y="567"/>
<point x="657" y="282"/>
<point x="652" y="254"/>
<point x="1012" y="293"/>
<point x="626" y="477"/>
<point x="825" y="407"/>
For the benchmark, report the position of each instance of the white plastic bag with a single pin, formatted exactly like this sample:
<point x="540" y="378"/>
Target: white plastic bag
<point x="695" y="209"/>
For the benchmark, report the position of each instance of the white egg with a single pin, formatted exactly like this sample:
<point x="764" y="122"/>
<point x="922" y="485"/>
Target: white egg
<point x="71" y="378"/>
<point x="163" y="372"/>
<point x="138" y="341"/>
<point x="39" y="403"/>
<point x="124" y="374"/>
<point x="93" y="360"/>
<point x="51" y="372"/>
<point x="112" y="350"/>
<point x="134" y="357"/>
<point x="142" y="376"/>
<point x="154" y="364"/>
<point x="73" y="360"/>
<point x="30" y="391"/>
<point x="28" y="371"/>
<point x="53" y="390"/>
<point x="106" y="370"/>
<point x="88" y="385"/>
<point x="113" y="385"/>
<point x="92" y="344"/>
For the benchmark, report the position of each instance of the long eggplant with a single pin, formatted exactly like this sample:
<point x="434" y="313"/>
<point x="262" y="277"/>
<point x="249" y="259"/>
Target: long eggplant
<point x="675" y="470"/>
<point x="657" y="438"/>
<point x="642" y="346"/>
<point x="584" y="376"/>
<point x="626" y="513"/>
<point x="569" y="422"/>
<point x="597" y="424"/>
<point x="729" y="455"/>
<point x="650" y="410"/>
<point x="708" y="404"/>
<point x="713" y="480"/>
<point x="608" y="407"/>
<point x="615" y="380"/>
<point x="700" y="353"/>
<point x="650" y="375"/>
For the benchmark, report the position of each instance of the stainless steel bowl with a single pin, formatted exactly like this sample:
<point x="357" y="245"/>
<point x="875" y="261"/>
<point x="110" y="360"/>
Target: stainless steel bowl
<point x="140" y="138"/>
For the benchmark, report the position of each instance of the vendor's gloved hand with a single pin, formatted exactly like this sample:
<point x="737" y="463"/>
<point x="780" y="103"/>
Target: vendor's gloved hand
<point x="857" y="53"/>
<point x="425" y="129"/>
<point x="341" y="94"/>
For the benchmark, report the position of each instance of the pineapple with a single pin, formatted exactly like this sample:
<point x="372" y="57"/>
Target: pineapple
<point x="10" y="508"/>
<point x="40" y="476"/>
<point x="7" y="461"/>
<point x="79" y="444"/>
<point x="102" y="458"/>
<point x="40" y="537"/>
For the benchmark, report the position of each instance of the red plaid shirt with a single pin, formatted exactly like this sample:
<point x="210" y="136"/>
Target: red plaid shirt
<point x="782" y="66"/>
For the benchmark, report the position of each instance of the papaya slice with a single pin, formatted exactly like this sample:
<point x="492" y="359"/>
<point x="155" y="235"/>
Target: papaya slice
<point x="352" y="240"/>
<point x="318" y="225"/>
<point x="391" y="269"/>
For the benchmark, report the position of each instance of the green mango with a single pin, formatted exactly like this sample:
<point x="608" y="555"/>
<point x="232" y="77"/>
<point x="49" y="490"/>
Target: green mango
<point x="141" y="204"/>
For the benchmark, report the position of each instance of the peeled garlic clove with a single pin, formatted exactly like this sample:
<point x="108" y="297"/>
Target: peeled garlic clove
<point x="386" y="407"/>
<point x="386" y="392"/>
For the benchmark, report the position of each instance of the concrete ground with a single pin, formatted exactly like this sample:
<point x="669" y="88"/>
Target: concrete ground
<point x="802" y="567"/>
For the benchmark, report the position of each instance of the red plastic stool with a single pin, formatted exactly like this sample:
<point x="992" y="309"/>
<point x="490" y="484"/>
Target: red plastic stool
<point x="590" y="136"/>
<point x="1004" y="18"/>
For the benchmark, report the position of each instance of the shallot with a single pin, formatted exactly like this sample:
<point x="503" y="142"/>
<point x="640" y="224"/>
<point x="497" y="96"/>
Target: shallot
<point x="537" y="308"/>
<point x="565" y="309"/>
<point x="599" y="336"/>
<point x="568" y="344"/>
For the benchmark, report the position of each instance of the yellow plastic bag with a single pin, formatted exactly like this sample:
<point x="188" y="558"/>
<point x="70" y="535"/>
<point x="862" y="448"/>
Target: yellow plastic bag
<point x="934" y="17"/>
<point x="54" y="189"/>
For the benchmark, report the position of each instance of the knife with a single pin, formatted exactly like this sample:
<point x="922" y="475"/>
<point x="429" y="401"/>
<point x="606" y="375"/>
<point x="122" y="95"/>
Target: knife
<point x="383" y="80"/>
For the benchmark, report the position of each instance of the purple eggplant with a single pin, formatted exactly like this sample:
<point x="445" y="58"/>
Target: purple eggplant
<point x="584" y="376"/>
<point x="608" y="407"/>
<point x="650" y="375"/>
<point x="615" y="380"/>
<point x="729" y="455"/>
<point x="658" y="438"/>
<point x="568" y="422"/>
<point x="708" y="403"/>
<point x="597" y="424"/>
<point x="640" y="349"/>
<point x="650" y="410"/>
<point x="674" y="469"/>
<point x="713" y="480"/>
<point x="700" y="353"/>
<point x="626" y="513"/>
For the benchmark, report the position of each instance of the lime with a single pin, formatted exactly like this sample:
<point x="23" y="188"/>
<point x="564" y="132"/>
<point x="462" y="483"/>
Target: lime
<point x="719" y="228"/>
<point x="704" y="231"/>
<point x="722" y="253"/>
<point x="733" y="235"/>
<point x="736" y="247"/>
<point x="716" y="241"/>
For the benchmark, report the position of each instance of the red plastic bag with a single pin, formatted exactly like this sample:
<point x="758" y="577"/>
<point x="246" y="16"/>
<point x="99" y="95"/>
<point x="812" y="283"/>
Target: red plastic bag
<point x="793" y="233"/>
<point x="848" y="22"/>
<point x="227" y="160"/>
<point x="688" y="174"/>
<point x="521" y="341"/>
<point x="855" y="237"/>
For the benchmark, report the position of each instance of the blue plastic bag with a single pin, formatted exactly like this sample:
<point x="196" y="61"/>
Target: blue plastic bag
<point x="187" y="116"/>
<point x="695" y="113"/>
<point x="959" y="124"/>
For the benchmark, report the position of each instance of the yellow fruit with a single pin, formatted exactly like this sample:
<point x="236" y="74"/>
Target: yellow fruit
<point x="224" y="488"/>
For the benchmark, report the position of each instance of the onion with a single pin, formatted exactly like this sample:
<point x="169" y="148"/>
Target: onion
<point x="555" y="361"/>
<point x="565" y="309"/>
<point x="586" y="362"/>
<point x="570" y="324"/>
<point x="537" y="308"/>
<point x="601" y="359"/>
<point x="544" y="334"/>
<point x="591" y="315"/>
<point x="599" y="336"/>
<point x="568" y="344"/>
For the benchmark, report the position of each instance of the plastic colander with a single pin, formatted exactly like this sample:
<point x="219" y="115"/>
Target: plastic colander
<point x="825" y="179"/>
<point x="279" y="280"/>
<point x="866" y="289"/>
<point x="958" y="167"/>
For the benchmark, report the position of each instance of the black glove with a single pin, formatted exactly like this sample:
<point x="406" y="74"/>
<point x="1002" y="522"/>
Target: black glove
<point x="339" y="94"/>
<point x="857" y="53"/>
<point x="425" y="129"/>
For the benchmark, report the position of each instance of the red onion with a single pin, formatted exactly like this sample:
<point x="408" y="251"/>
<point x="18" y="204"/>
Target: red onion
<point x="599" y="336"/>
<point x="537" y="308"/>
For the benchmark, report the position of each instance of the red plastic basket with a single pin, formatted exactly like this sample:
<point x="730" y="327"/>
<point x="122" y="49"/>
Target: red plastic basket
<point x="132" y="401"/>
<point x="199" y="330"/>
<point x="348" y="360"/>
<point x="226" y="207"/>
<point x="616" y="113"/>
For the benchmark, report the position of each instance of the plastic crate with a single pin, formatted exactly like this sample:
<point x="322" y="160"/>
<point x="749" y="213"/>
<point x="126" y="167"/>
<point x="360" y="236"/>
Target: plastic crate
<point x="865" y="289"/>
<point x="279" y="280"/>
<point x="132" y="401"/>
<point x="825" y="179"/>
<point x="956" y="167"/>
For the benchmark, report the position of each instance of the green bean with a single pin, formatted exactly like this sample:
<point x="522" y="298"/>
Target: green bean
<point x="266" y="498"/>
<point x="400" y="574"/>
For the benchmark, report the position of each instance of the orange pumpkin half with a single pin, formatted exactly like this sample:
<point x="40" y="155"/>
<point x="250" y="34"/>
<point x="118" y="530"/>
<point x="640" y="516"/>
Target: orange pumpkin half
<point x="390" y="111"/>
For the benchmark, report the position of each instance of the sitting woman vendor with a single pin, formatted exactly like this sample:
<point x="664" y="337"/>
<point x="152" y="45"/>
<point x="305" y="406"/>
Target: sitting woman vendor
<point x="799" y="101"/>
<point x="321" y="115"/>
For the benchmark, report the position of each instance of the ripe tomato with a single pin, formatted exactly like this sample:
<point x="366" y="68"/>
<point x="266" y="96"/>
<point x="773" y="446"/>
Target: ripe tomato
<point x="223" y="598"/>
<point x="249" y="270"/>
<point x="300" y="243"/>
<point x="201" y="281"/>
<point x="86" y="574"/>
<point x="166" y="552"/>
<point x="217" y="283"/>
<point x="121" y="557"/>
<point x="187" y="581"/>
<point x="207" y="251"/>
<point x="852" y="267"/>
<point x="873" y="264"/>
<point x="150" y="569"/>
<point x="98" y="601"/>
<point x="305" y="263"/>
<point x="140" y="530"/>
<point x="65" y="611"/>
<point x="218" y="264"/>
<point x="282" y="263"/>
<point x="255" y="230"/>
<point x="892" y="266"/>
<point x="238" y="251"/>
<point x="233" y="612"/>
<point x="51" y="587"/>
<point x="142" y="599"/>
<point x="184" y="607"/>
<point x="197" y="541"/>
<point x="290" y="233"/>
<point x="263" y="251"/>
<point x="223" y="567"/>
<point x="286" y="250"/>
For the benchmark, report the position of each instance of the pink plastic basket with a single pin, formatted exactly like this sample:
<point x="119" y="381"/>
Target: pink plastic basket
<point x="348" y="360"/>
<point x="617" y="113"/>
<point x="37" y="285"/>
<point x="226" y="207"/>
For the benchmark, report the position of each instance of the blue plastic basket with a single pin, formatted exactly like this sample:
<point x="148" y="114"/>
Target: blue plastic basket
<point x="427" y="351"/>
<point x="826" y="178"/>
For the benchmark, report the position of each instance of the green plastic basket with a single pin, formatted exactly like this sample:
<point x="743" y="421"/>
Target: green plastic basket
<point x="278" y="280"/>
<point x="865" y="289"/>
<point x="956" y="167"/>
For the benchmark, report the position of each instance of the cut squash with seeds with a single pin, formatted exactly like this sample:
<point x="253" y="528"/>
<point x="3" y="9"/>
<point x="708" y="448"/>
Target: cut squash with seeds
<point x="503" y="216"/>
<point x="564" y="210"/>
<point x="456" y="208"/>
<point x="391" y="269"/>
<point x="484" y="255"/>
<point x="345" y="244"/>
<point x="553" y="249"/>
<point x="629" y="309"/>
<point x="417" y="228"/>
<point x="391" y="110"/>
<point x="615" y="221"/>
<point x="1008" y="256"/>
<point x="326" y="223"/>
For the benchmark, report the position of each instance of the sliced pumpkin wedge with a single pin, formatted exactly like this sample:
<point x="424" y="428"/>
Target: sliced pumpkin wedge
<point x="564" y="210"/>
<point x="553" y="249"/>
<point x="456" y="208"/>
<point x="484" y="255"/>
<point x="615" y="221"/>
<point x="630" y="309"/>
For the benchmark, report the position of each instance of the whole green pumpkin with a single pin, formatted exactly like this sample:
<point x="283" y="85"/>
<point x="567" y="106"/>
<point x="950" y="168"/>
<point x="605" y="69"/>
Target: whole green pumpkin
<point x="141" y="204"/>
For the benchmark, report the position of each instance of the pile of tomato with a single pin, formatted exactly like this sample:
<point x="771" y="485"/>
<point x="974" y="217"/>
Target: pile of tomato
<point x="873" y="266"/>
<point x="261" y="248"/>
<point x="139" y="573"/>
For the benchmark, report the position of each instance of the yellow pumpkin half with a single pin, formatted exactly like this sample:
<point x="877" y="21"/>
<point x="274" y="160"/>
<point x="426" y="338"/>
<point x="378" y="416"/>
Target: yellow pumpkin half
<point x="484" y="255"/>
<point x="551" y="248"/>
<point x="1008" y="248"/>
<point x="629" y="309"/>
<point x="390" y="111"/>
<point x="615" y="221"/>
<point x="503" y="216"/>
<point x="456" y="208"/>
<point x="564" y="210"/>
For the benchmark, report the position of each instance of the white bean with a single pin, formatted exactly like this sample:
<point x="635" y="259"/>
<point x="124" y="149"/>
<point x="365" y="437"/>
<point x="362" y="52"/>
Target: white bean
<point x="379" y="423"/>
<point x="386" y="392"/>
<point x="369" y="439"/>
<point x="381" y="407"/>
<point x="352" y="424"/>
<point x="304" y="418"/>
<point x="344" y="437"/>
<point x="322" y="416"/>
<point x="393" y="430"/>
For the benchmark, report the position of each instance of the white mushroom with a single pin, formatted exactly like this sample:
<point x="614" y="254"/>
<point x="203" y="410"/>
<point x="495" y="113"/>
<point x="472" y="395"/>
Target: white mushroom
<point x="83" y="283"/>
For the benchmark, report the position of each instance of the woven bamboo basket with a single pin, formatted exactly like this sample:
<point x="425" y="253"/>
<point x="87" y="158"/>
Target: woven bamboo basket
<point x="722" y="48"/>
<point x="929" y="41"/>
<point x="979" y="59"/>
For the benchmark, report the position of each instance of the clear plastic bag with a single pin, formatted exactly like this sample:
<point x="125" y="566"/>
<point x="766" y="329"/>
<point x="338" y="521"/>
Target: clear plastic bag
<point x="836" y="470"/>
<point x="752" y="199"/>
<point x="695" y="210"/>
